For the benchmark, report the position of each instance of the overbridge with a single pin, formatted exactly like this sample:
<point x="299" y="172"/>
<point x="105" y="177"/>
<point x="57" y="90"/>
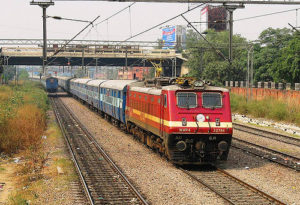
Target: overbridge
<point x="89" y="53"/>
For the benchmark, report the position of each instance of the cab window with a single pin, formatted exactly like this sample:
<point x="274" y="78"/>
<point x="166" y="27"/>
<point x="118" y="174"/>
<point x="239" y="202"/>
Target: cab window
<point x="211" y="100"/>
<point x="186" y="100"/>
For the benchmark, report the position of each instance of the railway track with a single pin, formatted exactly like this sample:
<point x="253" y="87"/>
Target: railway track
<point x="281" y="158"/>
<point x="230" y="188"/>
<point x="102" y="180"/>
<point x="267" y="134"/>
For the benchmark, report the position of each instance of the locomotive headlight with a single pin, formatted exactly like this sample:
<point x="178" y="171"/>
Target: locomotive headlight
<point x="200" y="118"/>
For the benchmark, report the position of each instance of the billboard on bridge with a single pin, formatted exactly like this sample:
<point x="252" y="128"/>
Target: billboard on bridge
<point x="169" y="37"/>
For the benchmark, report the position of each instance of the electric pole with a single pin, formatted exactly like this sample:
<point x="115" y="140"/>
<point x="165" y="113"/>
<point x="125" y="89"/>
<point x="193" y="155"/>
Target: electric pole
<point x="230" y="9"/>
<point x="44" y="5"/>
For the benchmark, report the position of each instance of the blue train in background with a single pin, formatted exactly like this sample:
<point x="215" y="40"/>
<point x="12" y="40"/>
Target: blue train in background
<point x="51" y="84"/>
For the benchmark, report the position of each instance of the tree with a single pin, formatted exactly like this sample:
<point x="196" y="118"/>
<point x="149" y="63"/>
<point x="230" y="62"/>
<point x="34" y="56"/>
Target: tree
<point x="272" y="41"/>
<point x="205" y="63"/>
<point x="287" y="66"/>
<point x="23" y="75"/>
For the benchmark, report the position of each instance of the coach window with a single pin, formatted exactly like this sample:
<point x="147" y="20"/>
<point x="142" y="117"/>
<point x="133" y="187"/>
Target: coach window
<point x="165" y="100"/>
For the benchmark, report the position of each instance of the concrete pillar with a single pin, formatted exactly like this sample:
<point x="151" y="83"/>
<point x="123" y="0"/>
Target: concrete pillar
<point x="273" y="85"/>
<point x="236" y="84"/>
<point x="241" y="84"/>
<point x="259" y="85"/>
<point x="288" y="86"/>
<point x="266" y="84"/>
<point x="297" y="86"/>
<point x="280" y="86"/>
<point x="231" y="83"/>
<point x="226" y="84"/>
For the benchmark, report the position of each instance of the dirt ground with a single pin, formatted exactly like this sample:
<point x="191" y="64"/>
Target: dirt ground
<point x="7" y="182"/>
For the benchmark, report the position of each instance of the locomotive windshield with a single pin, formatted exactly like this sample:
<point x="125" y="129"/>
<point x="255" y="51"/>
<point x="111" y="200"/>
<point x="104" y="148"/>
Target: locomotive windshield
<point x="211" y="100"/>
<point x="186" y="100"/>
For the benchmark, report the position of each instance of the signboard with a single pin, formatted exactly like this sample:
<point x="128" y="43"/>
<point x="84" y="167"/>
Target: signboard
<point x="169" y="37"/>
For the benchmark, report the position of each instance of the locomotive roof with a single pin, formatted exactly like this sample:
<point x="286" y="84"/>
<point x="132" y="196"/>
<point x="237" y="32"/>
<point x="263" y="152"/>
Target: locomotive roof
<point x="95" y="82"/>
<point x="206" y="88"/>
<point x="143" y="89"/>
<point x="140" y="87"/>
<point x="116" y="84"/>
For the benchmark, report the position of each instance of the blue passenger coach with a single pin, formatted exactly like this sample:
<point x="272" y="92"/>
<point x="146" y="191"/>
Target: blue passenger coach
<point x="93" y="93"/>
<point x="79" y="88"/>
<point x="113" y="98"/>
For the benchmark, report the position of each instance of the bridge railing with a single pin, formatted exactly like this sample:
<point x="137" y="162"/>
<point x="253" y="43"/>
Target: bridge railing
<point x="90" y="51"/>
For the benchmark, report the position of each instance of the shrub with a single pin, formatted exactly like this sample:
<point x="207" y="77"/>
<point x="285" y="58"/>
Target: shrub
<point x="266" y="108"/>
<point x="24" y="130"/>
<point x="22" y="116"/>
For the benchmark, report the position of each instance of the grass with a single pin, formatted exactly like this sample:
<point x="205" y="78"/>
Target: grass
<point x="2" y="169"/>
<point x="267" y="108"/>
<point x="22" y="116"/>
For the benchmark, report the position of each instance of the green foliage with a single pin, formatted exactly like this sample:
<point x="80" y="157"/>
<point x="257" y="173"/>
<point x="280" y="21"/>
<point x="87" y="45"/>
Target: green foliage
<point x="12" y="101"/>
<point x="205" y="62"/>
<point x="276" y="56"/>
<point x="287" y="67"/>
<point x="269" y="54"/>
<point x="23" y="75"/>
<point x="9" y="73"/>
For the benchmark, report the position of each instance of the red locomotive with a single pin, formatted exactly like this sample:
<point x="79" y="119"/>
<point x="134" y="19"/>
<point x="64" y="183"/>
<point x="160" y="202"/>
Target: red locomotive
<point x="190" y="122"/>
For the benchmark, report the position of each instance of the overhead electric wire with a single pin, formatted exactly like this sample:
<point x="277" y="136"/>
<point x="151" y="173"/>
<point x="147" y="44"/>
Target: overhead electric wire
<point x="170" y="19"/>
<point x="258" y="16"/>
<point x="56" y="52"/>
<point x="115" y="14"/>
<point x="209" y="43"/>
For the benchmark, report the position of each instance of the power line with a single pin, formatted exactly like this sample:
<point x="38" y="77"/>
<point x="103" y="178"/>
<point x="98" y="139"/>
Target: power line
<point x="279" y="12"/>
<point x="55" y="53"/>
<point x="115" y="14"/>
<point x="170" y="19"/>
<point x="209" y="43"/>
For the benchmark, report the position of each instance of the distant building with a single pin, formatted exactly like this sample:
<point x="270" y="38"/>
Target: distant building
<point x="214" y="17"/>
<point x="132" y="73"/>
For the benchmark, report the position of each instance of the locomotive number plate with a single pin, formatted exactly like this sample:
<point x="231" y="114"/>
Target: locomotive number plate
<point x="218" y="130"/>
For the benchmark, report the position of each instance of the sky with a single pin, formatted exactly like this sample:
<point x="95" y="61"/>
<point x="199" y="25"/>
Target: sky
<point x="20" y="20"/>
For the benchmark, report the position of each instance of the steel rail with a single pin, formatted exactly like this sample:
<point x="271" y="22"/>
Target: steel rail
<point x="235" y="180"/>
<point x="293" y="162"/>
<point x="114" y="166"/>
<point x="207" y="185"/>
<point x="251" y="187"/>
<point x="276" y="136"/>
<point x="268" y="149"/>
<point x="59" y="121"/>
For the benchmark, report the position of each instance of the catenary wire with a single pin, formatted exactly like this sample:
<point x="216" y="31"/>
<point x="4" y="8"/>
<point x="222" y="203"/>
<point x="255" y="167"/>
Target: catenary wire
<point x="170" y="19"/>
<point x="279" y="12"/>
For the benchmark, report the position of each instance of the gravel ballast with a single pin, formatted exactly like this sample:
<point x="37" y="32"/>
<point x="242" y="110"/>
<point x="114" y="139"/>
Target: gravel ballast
<point x="162" y="183"/>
